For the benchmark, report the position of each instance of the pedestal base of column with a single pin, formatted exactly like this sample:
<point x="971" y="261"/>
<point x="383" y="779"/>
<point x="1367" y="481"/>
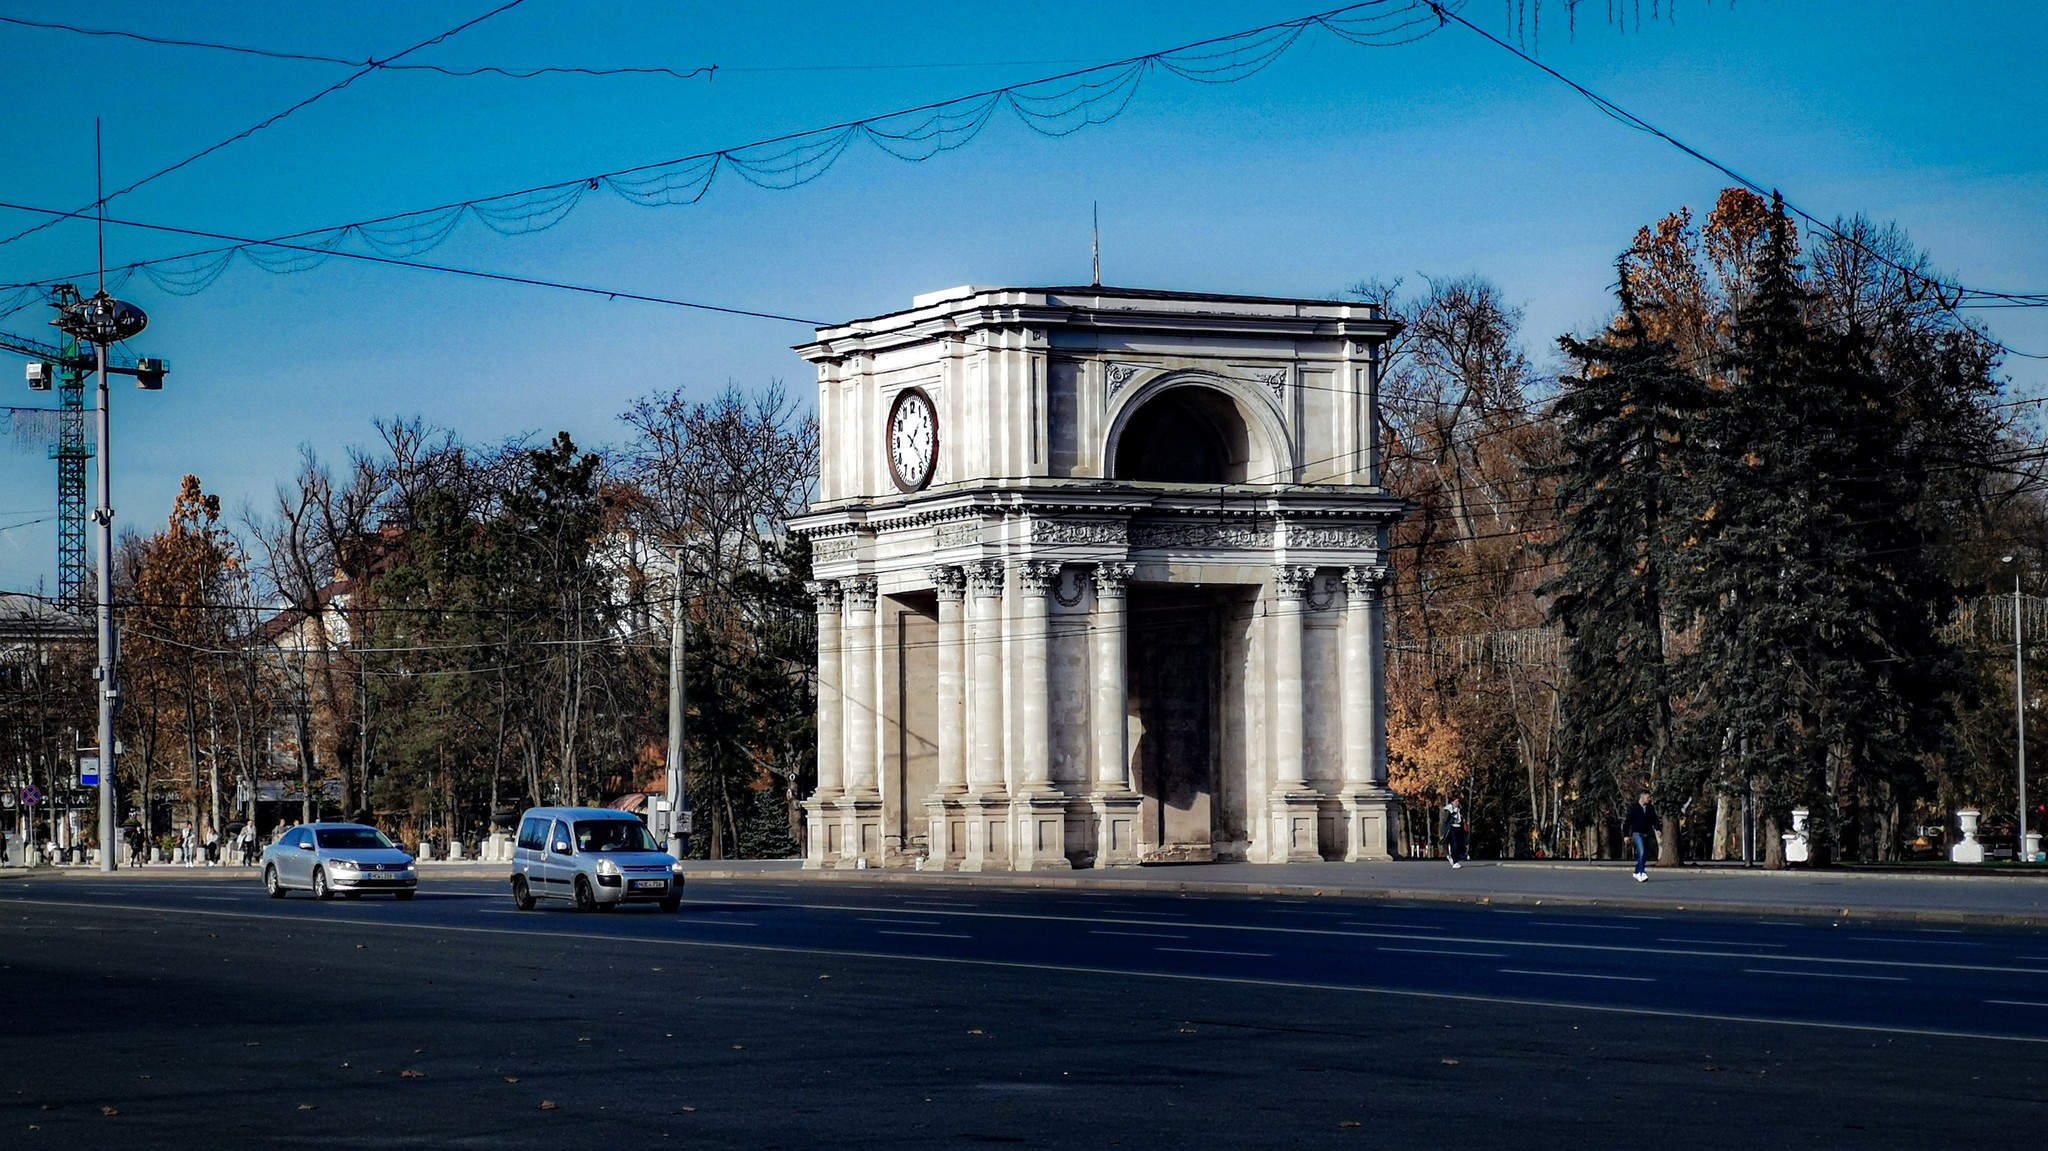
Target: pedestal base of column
<point x="1116" y="815"/>
<point x="945" y="834"/>
<point x="1368" y="816"/>
<point x="821" y="834"/>
<point x="1040" y="835"/>
<point x="1292" y="824"/>
<point x="860" y="832"/>
<point x="988" y="832"/>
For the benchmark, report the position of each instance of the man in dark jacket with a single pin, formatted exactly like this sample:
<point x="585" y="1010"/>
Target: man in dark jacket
<point x="1641" y="825"/>
<point x="1454" y="833"/>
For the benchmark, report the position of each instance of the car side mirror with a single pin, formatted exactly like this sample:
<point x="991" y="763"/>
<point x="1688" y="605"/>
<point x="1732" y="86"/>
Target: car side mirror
<point x="305" y="847"/>
<point x="562" y="847"/>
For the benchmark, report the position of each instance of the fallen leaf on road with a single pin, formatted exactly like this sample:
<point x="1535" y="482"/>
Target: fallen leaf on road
<point x="547" y="1105"/>
<point x="252" y="1045"/>
<point x="307" y="1107"/>
<point x="685" y="1110"/>
<point x="824" y="977"/>
<point x="411" y="1074"/>
<point x="1448" y="1062"/>
<point x="977" y="1031"/>
<point x="110" y="1110"/>
<point x="1350" y="1123"/>
<point x="739" y="1047"/>
<point x="511" y="1078"/>
<point x="1187" y="1031"/>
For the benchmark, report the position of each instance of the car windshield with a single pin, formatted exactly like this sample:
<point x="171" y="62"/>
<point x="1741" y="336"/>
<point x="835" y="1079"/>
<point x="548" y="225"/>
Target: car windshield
<point x="613" y="835"/>
<point x="351" y="837"/>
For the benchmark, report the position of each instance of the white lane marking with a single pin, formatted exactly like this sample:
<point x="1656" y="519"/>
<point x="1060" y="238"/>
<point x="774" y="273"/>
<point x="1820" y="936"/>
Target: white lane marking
<point x="1915" y="942"/>
<point x="221" y="898"/>
<point x="2015" y="1003"/>
<point x="1401" y="926"/>
<point x="1138" y="934"/>
<point x="1104" y="972"/>
<point x="1781" y="923"/>
<point x="2033" y="958"/>
<point x="1645" y="918"/>
<point x="1511" y="911"/>
<point x="1586" y="926"/>
<point x="1723" y="942"/>
<point x="1825" y="975"/>
<point x="1578" y="975"/>
<point x="925" y="934"/>
<point x="901" y="922"/>
<point x="1443" y="951"/>
<point x="1206" y="951"/>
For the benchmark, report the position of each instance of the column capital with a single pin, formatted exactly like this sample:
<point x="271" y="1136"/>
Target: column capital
<point x="1112" y="581"/>
<point x="950" y="579"/>
<point x="826" y="594"/>
<point x="1366" y="579"/>
<point x="1291" y="581"/>
<point x="1036" y="577"/>
<point x="860" y="593"/>
<point x="986" y="578"/>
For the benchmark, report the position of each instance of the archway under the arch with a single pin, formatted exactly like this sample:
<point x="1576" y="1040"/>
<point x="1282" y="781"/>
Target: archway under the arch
<point x="1186" y="434"/>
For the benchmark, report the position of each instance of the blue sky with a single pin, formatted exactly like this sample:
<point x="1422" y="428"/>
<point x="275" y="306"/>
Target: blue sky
<point x="1336" y="164"/>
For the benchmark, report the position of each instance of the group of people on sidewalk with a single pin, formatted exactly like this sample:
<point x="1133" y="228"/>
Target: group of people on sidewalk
<point x="1640" y="826"/>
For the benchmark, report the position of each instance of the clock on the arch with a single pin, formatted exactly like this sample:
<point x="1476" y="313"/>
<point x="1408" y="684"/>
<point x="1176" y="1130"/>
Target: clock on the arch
<point x="913" y="439"/>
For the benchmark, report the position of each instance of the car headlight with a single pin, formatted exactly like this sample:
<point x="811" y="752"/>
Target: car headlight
<point x="607" y="867"/>
<point x="676" y="867"/>
<point x="344" y="865"/>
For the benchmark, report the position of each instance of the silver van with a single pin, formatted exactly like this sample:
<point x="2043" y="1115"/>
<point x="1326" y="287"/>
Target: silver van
<point x="594" y="857"/>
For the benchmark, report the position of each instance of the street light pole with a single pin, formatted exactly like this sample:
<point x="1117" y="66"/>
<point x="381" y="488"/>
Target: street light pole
<point x="678" y="783"/>
<point x="2019" y="701"/>
<point x="110" y="691"/>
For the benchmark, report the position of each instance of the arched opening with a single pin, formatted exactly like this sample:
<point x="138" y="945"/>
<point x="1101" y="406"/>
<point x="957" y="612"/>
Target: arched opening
<point x="1184" y="435"/>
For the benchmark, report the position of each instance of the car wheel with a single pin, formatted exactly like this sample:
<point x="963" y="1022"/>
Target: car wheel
<point x="270" y="884"/>
<point x="404" y="896"/>
<point x="672" y="904"/>
<point x="521" y="897"/>
<point x="320" y="888"/>
<point x="586" y="899"/>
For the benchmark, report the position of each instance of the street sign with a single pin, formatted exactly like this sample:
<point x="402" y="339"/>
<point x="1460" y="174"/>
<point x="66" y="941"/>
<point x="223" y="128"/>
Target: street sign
<point x="683" y="822"/>
<point x="88" y="771"/>
<point x="31" y="795"/>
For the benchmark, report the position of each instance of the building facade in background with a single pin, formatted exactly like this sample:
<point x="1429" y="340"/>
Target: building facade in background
<point x="1099" y="578"/>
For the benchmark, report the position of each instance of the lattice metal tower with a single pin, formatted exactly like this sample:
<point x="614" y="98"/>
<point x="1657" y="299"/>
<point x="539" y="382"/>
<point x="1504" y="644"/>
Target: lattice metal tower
<point x="71" y="451"/>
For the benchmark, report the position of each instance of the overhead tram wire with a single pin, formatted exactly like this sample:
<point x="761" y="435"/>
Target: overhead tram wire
<point x="448" y="269"/>
<point x="1963" y="294"/>
<point x="1078" y="99"/>
<point x="250" y="131"/>
<point x="314" y="58"/>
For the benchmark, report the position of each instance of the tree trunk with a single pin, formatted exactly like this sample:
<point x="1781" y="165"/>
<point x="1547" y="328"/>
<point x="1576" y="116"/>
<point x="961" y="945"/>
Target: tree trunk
<point x="1720" y="849"/>
<point x="1668" y="854"/>
<point x="1773" y="846"/>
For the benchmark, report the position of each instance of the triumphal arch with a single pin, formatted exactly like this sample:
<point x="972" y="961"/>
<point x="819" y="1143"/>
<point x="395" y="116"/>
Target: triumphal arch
<point x="1099" y="580"/>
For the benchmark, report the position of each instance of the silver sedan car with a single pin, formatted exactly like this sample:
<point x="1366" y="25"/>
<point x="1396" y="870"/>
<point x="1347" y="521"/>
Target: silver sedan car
<point x="330" y="859"/>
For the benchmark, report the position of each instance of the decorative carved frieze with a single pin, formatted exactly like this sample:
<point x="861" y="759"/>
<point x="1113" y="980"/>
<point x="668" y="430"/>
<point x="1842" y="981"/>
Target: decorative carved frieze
<point x="1300" y="535"/>
<point x="1322" y="591"/>
<point x="986" y="578"/>
<point x="1048" y="531"/>
<point x="1036" y="577"/>
<point x="1116" y="375"/>
<point x="957" y="535"/>
<point x="1070" y="577"/>
<point x="1172" y="534"/>
<point x="1112" y="581"/>
<point x="1275" y="380"/>
<point x="860" y="593"/>
<point x="949" y="579"/>
<point x="1290" y="581"/>
<point x="825" y="592"/>
<point x="839" y="548"/>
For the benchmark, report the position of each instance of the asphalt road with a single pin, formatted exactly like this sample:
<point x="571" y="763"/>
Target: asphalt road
<point x="792" y="1014"/>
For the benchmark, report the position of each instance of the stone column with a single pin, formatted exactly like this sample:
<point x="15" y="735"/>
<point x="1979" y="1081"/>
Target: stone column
<point x="1114" y="806"/>
<point x="987" y="801"/>
<point x="1292" y="804"/>
<point x="1039" y="808"/>
<point x="820" y="831"/>
<point x="860" y="808"/>
<point x="1365" y="804"/>
<point x="946" y="835"/>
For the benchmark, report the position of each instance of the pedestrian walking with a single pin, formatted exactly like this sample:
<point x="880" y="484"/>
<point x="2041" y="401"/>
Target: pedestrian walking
<point x="1455" y="842"/>
<point x="248" y="841"/>
<point x="1641" y="825"/>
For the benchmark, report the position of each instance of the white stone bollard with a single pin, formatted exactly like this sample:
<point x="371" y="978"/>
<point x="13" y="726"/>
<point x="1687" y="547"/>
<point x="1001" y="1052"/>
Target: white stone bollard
<point x="426" y="852"/>
<point x="455" y="851"/>
<point x="1797" y="848"/>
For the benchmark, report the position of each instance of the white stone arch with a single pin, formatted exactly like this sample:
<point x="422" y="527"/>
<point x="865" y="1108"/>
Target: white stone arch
<point x="1270" y="455"/>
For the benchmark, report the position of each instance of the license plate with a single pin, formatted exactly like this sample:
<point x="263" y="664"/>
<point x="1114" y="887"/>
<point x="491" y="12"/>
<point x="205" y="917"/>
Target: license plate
<point x="649" y="884"/>
<point x="379" y="875"/>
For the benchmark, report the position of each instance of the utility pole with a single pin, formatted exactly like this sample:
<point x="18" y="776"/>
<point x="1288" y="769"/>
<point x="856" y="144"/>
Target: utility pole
<point x="678" y="792"/>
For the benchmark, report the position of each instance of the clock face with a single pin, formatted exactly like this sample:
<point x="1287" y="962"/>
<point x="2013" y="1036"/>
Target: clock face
<point x="913" y="440"/>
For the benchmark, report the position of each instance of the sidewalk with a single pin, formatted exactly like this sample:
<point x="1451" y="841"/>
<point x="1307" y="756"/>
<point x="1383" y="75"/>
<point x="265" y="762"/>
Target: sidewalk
<point x="1984" y="898"/>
